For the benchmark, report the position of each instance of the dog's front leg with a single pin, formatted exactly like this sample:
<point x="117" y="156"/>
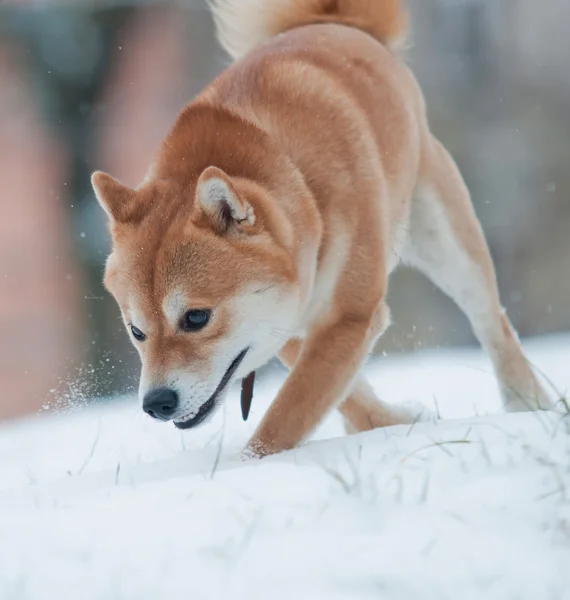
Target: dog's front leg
<point x="320" y="380"/>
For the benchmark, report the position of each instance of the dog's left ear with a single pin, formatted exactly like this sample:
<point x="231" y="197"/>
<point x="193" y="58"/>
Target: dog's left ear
<point x="220" y="202"/>
<point x="119" y="201"/>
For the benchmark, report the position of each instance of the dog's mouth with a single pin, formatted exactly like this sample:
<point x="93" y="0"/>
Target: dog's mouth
<point x="210" y="404"/>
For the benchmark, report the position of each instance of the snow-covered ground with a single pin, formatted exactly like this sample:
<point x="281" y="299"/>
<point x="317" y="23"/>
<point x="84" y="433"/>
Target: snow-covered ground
<point x="105" y="504"/>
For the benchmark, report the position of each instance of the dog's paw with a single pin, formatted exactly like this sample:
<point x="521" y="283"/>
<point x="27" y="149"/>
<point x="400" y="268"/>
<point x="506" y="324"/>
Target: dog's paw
<point x="411" y="412"/>
<point x="534" y="396"/>
<point x="248" y="454"/>
<point x="254" y="450"/>
<point x="421" y="412"/>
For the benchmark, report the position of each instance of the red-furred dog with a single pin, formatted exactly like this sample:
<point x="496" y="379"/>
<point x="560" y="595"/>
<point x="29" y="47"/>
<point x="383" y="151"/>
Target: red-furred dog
<point x="278" y="205"/>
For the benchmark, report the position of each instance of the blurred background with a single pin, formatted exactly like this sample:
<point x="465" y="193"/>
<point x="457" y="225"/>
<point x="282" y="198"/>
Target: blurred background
<point x="88" y="85"/>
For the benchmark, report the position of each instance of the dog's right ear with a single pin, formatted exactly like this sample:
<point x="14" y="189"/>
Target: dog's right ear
<point x="220" y="202"/>
<point x="118" y="200"/>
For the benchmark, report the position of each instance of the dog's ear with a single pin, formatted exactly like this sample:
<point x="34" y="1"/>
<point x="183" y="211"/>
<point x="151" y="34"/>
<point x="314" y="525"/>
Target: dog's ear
<point x="219" y="200"/>
<point x="118" y="200"/>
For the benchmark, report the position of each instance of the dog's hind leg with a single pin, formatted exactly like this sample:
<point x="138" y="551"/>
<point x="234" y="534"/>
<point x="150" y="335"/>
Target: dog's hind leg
<point x="447" y="244"/>
<point x="362" y="410"/>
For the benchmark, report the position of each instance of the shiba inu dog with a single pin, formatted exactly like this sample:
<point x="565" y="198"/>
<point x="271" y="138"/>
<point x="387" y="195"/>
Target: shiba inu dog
<point x="277" y="207"/>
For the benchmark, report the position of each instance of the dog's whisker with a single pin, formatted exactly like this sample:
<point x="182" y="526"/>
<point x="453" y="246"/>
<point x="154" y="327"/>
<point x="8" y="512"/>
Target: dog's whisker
<point x="283" y="329"/>
<point x="278" y="336"/>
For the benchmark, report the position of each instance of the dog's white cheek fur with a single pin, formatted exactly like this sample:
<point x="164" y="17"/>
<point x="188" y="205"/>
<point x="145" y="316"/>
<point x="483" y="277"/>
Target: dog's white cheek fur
<point x="261" y="322"/>
<point x="264" y="322"/>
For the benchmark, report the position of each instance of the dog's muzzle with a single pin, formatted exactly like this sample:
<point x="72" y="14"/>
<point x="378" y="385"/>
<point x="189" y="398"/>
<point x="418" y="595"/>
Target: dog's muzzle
<point x="210" y="404"/>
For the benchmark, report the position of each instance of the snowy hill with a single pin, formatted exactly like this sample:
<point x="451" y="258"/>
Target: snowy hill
<point x="105" y="504"/>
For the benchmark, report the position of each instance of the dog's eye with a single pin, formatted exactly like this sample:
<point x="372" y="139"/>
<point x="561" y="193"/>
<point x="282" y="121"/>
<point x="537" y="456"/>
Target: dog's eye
<point x="138" y="334"/>
<point x="195" y="319"/>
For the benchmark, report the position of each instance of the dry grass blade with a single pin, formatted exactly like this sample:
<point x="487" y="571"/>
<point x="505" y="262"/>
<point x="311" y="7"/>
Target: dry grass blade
<point x="440" y="445"/>
<point x="92" y="451"/>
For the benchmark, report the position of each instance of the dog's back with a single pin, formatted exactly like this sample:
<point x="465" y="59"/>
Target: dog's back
<point x="342" y="106"/>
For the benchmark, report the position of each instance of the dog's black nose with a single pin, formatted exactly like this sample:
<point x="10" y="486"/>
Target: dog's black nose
<point x="161" y="403"/>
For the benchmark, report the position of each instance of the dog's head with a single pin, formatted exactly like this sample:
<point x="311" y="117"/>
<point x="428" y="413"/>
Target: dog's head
<point x="205" y="282"/>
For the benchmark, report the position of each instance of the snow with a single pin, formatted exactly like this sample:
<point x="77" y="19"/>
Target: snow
<point x="103" y="503"/>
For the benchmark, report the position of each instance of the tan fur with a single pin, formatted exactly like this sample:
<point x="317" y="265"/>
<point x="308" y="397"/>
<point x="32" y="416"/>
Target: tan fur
<point x="243" y="25"/>
<point x="281" y="200"/>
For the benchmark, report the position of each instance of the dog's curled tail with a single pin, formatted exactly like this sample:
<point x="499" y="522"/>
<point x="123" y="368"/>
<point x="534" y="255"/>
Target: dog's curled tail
<point x="243" y="24"/>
